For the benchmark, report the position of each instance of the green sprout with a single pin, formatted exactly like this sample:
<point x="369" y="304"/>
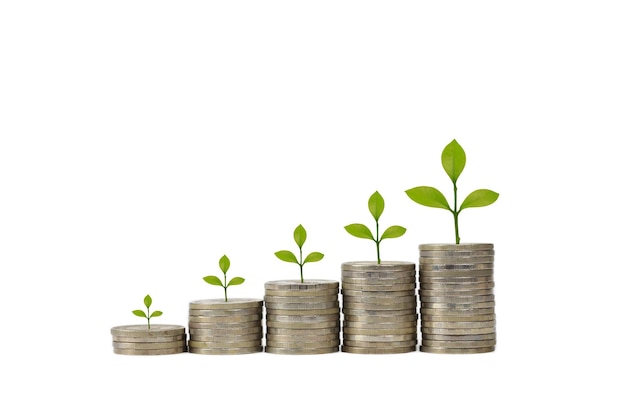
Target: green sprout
<point x="147" y="301"/>
<point x="213" y="280"/>
<point x="376" y="205"/>
<point x="453" y="161"/>
<point x="299" y="235"/>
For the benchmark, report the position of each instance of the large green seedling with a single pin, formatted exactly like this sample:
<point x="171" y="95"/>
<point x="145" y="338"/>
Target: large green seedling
<point x="453" y="161"/>
<point x="147" y="301"/>
<point x="213" y="280"/>
<point x="299" y="235"/>
<point x="376" y="205"/>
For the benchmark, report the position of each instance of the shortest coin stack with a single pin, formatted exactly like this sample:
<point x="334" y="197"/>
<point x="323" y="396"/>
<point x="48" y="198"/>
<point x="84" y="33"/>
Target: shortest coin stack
<point x="160" y="339"/>
<point x="218" y="327"/>
<point x="456" y="297"/>
<point x="302" y="317"/>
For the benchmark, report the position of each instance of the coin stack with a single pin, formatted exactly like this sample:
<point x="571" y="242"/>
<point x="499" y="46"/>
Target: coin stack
<point x="379" y="307"/>
<point x="218" y="327"/>
<point x="456" y="298"/>
<point x="302" y="317"/>
<point x="160" y="339"/>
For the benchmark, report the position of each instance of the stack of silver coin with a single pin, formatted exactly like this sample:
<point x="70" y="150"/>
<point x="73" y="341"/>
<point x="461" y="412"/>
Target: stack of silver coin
<point x="379" y="307"/>
<point x="218" y="327"/>
<point x="456" y="298"/>
<point x="160" y="339"/>
<point x="302" y="317"/>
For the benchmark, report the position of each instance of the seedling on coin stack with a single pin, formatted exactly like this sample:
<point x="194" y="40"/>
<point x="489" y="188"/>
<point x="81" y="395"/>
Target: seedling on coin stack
<point x="299" y="235"/>
<point x="376" y="205"/>
<point x="456" y="280"/>
<point x="147" y="301"/>
<point x="224" y="266"/>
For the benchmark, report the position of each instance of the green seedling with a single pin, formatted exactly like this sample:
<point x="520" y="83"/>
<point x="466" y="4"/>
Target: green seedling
<point x="453" y="161"/>
<point x="376" y="205"/>
<point x="213" y="280"/>
<point x="299" y="235"/>
<point x="147" y="301"/>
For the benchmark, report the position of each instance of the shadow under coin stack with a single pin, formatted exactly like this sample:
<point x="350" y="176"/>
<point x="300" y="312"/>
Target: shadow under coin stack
<point x="456" y="297"/>
<point x="302" y="317"/>
<point x="160" y="339"/>
<point x="218" y="327"/>
<point x="379" y="307"/>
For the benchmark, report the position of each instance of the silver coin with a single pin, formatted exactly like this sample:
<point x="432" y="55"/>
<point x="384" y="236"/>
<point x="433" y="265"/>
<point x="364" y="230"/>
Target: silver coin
<point x="310" y="285"/>
<point x="377" y="275"/>
<point x="430" y="349"/>
<point x="459" y="306"/>
<point x="137" y="330"/>
<point x="226" y="351"/>
<point x="458" y="324"/>
<point x="458" y="338"/>
<point x="382" y="325"/>
<point x="321" y="312"/>
<point x="306" y="325"/>
<point x="301" y="300"/>
<point x="215" y="326"/>
<point x="225" y="319"/>
<point x="155" y="339"/>
<point x="224" y="344"/>
<point x="465" y="344"/>
<point x="484" y="317"/>
<point x="353" y="293"/>
<point x="456" y="267"/>
<point x="463" y="247"/>
<point x="378" y="307"/>
<point x="302" y="332"/>
<point x="381" y="316"/>
<point x="228" y="338"/>
<point x="379" y="332"/>
<point x="300" y="293"/>
<point x="303" y="319"/>
<point x="377" y="351"/>
<point x="468" y="273"/>
<point x="452" y="293"/>
<point x="455" y="260"/>
<point x="455" y="254"/>
<point x="220" y="332"/>
<point x="303" y="345"/>
<point x="464" y="332"/>
<point x="455" y="299"/>
<point x="374" y="266"/>
<point x="379" y="338"/>
<point x="456" y="286"/>
<point x="378" y="287"/>
<point x="304" y="338"/>
<point x="219" y="304"/>
<point x="142" y="352"/>
<point x="457" y="312"/>
<point x="226" y="312"/>
<point x="149" y="345"/>
<point x="348" y="299"/>
<point x="378" y="281"/>
<point x="385" y="345"/>
<point x="293" y="351"/>
<point x="302" y="306"/>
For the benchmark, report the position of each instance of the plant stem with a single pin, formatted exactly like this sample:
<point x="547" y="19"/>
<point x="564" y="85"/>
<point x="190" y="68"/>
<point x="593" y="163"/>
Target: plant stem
<point x="456" y="217"/>
<point x="225" y="286"/>
<point x="148" y="317"/>
<point x="377" y="244"/>
<point x="301" y="264"/>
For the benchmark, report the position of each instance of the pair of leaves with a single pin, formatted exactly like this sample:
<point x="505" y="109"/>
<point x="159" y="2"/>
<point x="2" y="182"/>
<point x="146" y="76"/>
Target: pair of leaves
<point x="224" y="266"/>
<point x="147" y="301"/>
<point x="299" y="236"/>
<point x="376" y="205"/>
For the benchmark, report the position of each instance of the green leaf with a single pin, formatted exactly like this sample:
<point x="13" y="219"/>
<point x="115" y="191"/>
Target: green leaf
<point x="299" y="235"/>
<point x="236" y="281"/>
<point x="376" y="204"/>
<point x="428" y="196"/>
<point x="393" y="232"/>
<point x="359" y="230"/>
<point x="140" y="313"/>
<point x="147" y="301"/>
<point x="313" y="257"/>
<point x="453" y="160"/>
<point x="479" y="198"/>
<point x="156" y="314"/>
<point x="287" y="256"/>
<point x="224" y="263"/>
<point x="213" y="280"/>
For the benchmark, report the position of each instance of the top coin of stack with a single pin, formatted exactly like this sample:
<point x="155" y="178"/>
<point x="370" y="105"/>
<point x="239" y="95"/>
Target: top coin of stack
<point x="379" y="307"/>
<point x="218" y="327"/>
<point x="302" y="317"/>
<point x="456" y="298"/>
<point x="159" y="339"/>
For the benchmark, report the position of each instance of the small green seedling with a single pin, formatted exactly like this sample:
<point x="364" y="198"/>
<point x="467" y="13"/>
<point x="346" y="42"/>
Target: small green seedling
<point x="376" y="205"/>
<point x="213" y="280"/>
<point x="453" y="161"/>
<point x="299" y="235"/>
<point x="147" y="301"/>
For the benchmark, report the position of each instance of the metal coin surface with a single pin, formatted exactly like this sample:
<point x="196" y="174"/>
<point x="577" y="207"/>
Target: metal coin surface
<point x="303" y="345"/>
<point x="351" y="300"/>
<point x="302" y="332"/>
<point x="293" y="351"/>
<point x="225" y="332"/>
<point x="299" y="300"/>
<point x="465" y="344"/>
<point x="304" y="338"/>
<point x="379" y="338"/>
<point x="454" y="299"/>
<point x="148" y="351"/>
<point x="155" y="339"/>
<point x="377" y="351"/>
<point x="457" y="312"/>
<point x="228" y="338"/>
<point x="484" y="317"/>
<point x="226" y="312"/>
<point x="464" y="332"/>
<point x="320" y="312"/>
<point x="224" y="345"/>
<point x="302" y="306"/>
<point x="225" y="319"/>
<point x="347" y="293"/>
<point x="291" y="285"/>
<point x="379" y="332"/>
<point x="386" y="345"/>
<point x="450" y="260"/>
<point x="374" y="266"/>
<point x="226" y="351"/>
<point x="390" y="317"/>
<point x="455" y="254"/>
<point x="378" y="307"/>
<point x="460" y="306"/>
<point x="458" y="337"/>
<point x="379" y="287"/>
<point x="456" y="286"/>
<point x="215" y="326"/>
<point x="452" y="293"/>
<point x="137" y="330"/>
<point x="384" y="325"/>
<point x="458" y="324"/>
<point x="377" y="275"/>
<point x="463" y="247"/>
<point x="448" y="274"/>
<point x="430" y="349"/>
<point x="142" y="346"/>
<point x="286" y="325"/>
<point x="218" y="304"/>
<point x="303" y="319"/>
<point x="379" y="281"/>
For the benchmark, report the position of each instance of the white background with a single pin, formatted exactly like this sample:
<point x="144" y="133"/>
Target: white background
<point x="142" y="140"/>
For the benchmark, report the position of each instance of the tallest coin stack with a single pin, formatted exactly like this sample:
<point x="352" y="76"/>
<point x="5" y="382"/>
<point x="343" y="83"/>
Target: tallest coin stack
<point x="456" y="297"/>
